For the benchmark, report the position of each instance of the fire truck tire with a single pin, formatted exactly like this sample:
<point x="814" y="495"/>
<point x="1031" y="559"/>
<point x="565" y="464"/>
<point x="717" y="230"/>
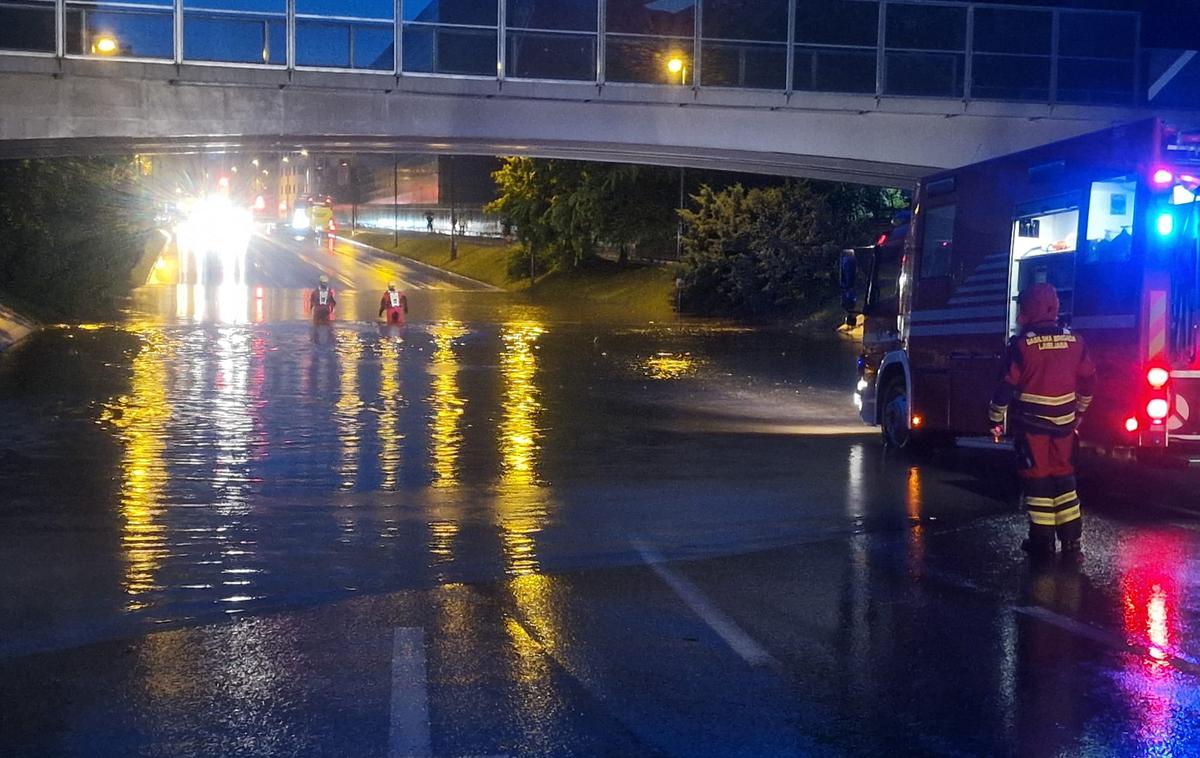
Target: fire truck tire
<point x="893" y="418"/>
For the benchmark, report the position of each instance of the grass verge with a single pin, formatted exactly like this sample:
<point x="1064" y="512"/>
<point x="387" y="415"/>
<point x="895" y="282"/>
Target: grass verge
<point x="643" y="289"/>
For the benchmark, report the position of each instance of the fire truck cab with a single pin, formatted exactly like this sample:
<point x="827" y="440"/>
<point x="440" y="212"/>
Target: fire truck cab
<point x="1111" y="220"/>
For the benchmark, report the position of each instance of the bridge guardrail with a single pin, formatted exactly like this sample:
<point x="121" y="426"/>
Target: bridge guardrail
<point x="896" y="48"/>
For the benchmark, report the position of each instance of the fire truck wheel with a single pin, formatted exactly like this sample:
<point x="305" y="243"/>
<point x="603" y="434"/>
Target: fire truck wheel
<point x="894" y="419"/>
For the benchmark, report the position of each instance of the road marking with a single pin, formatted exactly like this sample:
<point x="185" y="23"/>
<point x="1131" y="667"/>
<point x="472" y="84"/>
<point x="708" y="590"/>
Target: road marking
<point x="1139" y="646"/>
<point x="408" y="735"/>
<point x="726" y="629"/>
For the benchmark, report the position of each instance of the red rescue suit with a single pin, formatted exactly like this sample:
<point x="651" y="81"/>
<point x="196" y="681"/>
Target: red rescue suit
<point x="395" y="305"/>
<point x="1048" y="384"/>
<point x="322" y="302"/>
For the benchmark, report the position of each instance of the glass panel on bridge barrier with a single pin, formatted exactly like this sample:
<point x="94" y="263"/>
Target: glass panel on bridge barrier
<point x="27" y="25"/>
<point x="450" y="37"/>
<point x="1096" y="55"/>
<point x="744" y="44"/>
<point x="835" y="45"/>
<point x="650" y="43"/>
<point x="354" y="34"/>
<point x="1012" y="51"/>
<point x="551" y="39"/>
<point x="121" y="30"/>
<point x="235" y="31"/>
<point x="925" y="50"/>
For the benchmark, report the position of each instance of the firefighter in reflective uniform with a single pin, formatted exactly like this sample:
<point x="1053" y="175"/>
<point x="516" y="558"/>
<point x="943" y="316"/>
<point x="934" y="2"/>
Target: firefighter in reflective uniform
<point x="395" y="304"/>
<point x="1048" y="384"/>
<point x="322" y="302"/>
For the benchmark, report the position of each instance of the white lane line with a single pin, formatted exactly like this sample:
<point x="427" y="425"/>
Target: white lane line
<point x="726" y="629"/>
<point x="1141" y="646"/>
<point x="408" y="734"/>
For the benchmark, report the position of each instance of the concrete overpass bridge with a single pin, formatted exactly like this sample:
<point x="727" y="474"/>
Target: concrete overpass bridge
<point x="875" y="91"/>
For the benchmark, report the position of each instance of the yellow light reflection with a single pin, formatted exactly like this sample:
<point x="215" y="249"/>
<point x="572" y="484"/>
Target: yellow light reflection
<point x="447" y="403"/>
<point x="441" y="540"/>
<point x="141" y="419"/>
<point x="521" y="507"/>
<point x="389" y="419"/>
<point x="668" y="366"/>
<point x="913" y="505"/>
<point x="349" y="406"/>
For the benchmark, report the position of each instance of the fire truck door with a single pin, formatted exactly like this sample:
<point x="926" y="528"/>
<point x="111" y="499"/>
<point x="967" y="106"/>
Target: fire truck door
<point x="974" y="373"/>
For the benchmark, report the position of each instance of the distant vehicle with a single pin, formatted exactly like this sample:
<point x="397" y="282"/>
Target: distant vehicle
<point x="1110" y="219"/>
<point x="321" y="218"/>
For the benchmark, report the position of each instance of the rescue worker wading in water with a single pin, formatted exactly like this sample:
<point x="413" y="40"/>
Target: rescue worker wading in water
<point x="395" y="304"/>
<point x="322" y="302"/>
<point x="1048" y="384"/>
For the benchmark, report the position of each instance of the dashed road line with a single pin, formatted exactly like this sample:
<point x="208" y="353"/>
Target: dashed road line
<point x="725" y="627"/>
<point x="408" y="734"/>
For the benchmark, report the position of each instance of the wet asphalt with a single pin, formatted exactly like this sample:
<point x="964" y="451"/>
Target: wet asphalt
<point x="506" y="529"/>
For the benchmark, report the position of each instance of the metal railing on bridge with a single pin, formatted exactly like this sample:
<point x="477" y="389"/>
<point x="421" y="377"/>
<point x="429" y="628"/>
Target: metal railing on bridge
<point x="921" y="48"/>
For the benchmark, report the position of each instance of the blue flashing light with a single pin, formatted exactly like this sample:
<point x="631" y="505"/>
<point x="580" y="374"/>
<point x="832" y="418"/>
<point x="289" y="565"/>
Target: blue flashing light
<point x="1165" y="224"/>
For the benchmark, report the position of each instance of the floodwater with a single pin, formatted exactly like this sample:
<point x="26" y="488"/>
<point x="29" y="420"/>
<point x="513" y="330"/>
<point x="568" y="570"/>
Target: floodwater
<point x="213" y="453"/>
<point x="505" y="529"/>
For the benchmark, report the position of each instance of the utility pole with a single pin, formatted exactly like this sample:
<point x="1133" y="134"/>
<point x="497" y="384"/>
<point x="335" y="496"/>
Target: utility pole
<point x="679" y="219"/>
<point x="453" y="212"/>
<point x="395" y="200"/>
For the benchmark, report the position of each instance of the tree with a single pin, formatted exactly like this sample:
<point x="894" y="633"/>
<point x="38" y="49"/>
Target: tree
<point x="70" y="232"/>
<point x="524" y="199"/>
<point x="771" y="251"/>
<point x="564" y="212"/>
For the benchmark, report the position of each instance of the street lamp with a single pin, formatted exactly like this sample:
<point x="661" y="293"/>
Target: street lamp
<point x="677" y="66"/>
<point x="105" y="45"/>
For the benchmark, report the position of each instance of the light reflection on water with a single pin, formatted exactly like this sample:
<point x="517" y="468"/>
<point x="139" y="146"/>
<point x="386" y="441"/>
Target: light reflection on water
<point x="389" y="418"/>
<point x="521" y="505"/>
<point x="349" y="406"/>
<point x="141" y="420"/>
<point x="447" y="403"/>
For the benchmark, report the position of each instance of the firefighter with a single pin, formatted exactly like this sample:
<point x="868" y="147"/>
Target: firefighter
<point x="395" y="304"/>
<point x="322" y="302"/>
<point x="1048" y="384"/>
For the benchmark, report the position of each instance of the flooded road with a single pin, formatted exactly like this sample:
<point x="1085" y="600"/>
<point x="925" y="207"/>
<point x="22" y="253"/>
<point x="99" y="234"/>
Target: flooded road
<point x="571" y="532"/>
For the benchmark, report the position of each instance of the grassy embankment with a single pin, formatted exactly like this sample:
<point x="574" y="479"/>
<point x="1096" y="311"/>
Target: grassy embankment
<point x="643" y="289"/>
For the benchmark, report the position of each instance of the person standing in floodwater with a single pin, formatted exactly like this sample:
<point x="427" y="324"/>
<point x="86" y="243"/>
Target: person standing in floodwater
<point x="322" y="302"/>
<point x="395" y="304"/>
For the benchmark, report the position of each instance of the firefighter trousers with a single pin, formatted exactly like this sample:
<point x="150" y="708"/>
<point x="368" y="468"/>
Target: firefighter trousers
<point x="1047" y="470"/>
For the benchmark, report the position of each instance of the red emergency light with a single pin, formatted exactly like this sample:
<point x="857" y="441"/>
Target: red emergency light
<point x="1157" y="409"/>
<point x="1132" y="424"/>
<point x="1157" y="377"/>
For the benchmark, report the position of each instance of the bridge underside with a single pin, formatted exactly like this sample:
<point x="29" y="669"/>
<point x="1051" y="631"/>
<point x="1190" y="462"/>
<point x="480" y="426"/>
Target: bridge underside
<point x="72" y="107"/>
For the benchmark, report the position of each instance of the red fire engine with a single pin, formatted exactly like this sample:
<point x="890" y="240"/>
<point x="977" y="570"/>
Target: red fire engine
<point x="1111" y="220"/>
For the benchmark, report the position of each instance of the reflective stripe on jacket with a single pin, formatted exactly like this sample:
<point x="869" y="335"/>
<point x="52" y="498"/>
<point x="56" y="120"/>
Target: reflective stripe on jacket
<point x="1048" y="380"/>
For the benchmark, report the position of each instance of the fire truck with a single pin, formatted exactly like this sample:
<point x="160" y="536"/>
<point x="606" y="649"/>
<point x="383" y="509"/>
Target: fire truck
<point x="1110" y="219"/>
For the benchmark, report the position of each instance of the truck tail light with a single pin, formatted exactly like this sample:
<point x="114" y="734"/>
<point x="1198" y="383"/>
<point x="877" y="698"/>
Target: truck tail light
<point x="1158" y="377"/>
<point x="1157" y="409"/>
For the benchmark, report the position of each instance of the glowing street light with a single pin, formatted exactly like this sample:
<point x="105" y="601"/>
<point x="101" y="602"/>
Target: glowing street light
<point x="105" y="45"/>
<point x="677" y="66"/>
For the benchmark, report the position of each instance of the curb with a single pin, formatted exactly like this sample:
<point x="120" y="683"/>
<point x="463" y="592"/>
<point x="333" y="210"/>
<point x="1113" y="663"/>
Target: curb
<point x="421" y="264"/>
